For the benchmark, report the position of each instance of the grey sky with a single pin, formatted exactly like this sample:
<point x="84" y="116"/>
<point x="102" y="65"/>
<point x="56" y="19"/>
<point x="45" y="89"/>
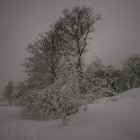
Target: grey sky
<point x="116" y="37"/>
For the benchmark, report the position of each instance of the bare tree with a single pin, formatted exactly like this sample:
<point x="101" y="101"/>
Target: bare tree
<point x="42" y="65"/>
<point x="77" y="24"/>
<point x="49" y="64"/>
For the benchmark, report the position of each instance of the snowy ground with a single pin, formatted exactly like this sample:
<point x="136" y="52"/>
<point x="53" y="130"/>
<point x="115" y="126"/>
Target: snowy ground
<point x="116" y="118"/>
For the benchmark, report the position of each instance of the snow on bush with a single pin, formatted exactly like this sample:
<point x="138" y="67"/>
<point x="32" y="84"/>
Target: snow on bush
<point x="61" y="98"/>
<point x="57" y="100"/>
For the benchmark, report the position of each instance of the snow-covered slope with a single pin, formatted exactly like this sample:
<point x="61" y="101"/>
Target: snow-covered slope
<point x="116" y="118"/>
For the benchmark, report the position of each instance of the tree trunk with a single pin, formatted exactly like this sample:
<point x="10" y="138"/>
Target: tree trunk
<point x="80" y="76"/>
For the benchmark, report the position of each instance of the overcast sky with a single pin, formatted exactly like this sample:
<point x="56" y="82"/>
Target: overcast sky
<point x="116" y="37"/>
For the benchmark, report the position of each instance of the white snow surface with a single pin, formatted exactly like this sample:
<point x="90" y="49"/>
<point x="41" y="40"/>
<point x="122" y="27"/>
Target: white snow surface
<point x="116" y="118"/>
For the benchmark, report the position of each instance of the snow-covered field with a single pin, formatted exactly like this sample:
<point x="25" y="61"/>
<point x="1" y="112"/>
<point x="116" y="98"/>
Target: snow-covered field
<point x="116" y="118"/>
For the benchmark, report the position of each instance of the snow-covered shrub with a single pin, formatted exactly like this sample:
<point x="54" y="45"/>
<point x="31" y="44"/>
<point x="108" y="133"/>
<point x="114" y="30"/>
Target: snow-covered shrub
<point x="102" y="80"/>
<point x="57" y="100"/>
<point x="61" y="98"/>
<point x="98" y="88"/>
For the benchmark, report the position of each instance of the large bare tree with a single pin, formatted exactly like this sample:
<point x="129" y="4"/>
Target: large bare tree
<point x="77" y="24"/>
<point x="68" y="36"/>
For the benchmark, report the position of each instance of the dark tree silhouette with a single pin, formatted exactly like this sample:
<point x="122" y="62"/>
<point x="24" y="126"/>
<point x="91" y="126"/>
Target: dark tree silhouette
<point x="8" y="91"/>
